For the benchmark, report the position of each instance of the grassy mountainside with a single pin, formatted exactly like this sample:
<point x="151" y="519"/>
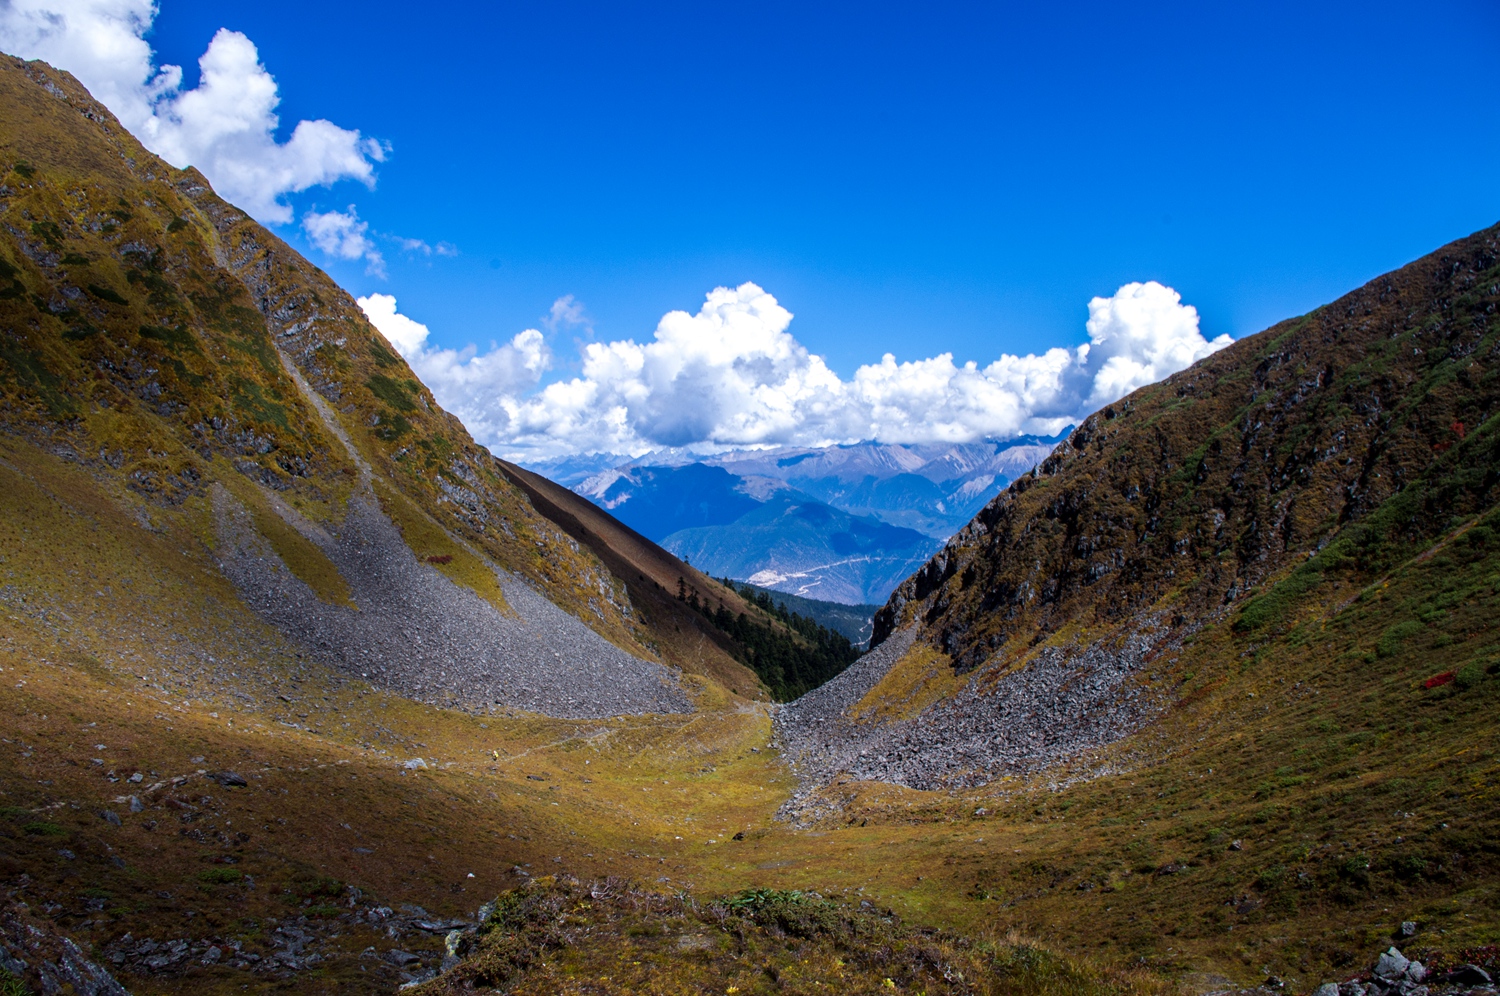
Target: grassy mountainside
<point x="1195" y="491"/>
<point x="1217" y="683"/>
<point x="145" y="325"/>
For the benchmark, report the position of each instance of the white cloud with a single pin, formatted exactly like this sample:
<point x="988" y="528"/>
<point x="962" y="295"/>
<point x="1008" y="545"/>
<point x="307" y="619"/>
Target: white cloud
<point x="480" y="388"/>
<point x="732" y="375"/>
<point x="567" y="312"/>
<point x="421" y="247"/>
<point x="343" y="235"/>
<point x="225" y="126"/>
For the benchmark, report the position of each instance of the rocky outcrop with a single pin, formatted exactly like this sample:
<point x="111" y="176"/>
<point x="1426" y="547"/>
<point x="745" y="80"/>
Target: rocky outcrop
<point x="32" y="952"/>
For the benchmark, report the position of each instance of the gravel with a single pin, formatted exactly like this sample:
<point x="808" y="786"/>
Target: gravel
<point x="1065" y="705"/>
<point x="418" y="633"/>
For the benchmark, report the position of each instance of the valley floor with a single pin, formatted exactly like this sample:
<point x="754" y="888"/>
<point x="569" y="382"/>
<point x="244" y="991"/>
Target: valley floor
<point x="215" y="813"/>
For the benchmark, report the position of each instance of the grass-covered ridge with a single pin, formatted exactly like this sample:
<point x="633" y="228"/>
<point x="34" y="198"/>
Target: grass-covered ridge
<point x="559" y="935"/>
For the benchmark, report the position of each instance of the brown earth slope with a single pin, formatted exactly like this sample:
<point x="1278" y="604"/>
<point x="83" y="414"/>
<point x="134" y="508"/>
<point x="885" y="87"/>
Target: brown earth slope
<point x="651" y="576"/>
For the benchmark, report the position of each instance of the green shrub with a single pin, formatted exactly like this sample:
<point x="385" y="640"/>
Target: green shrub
<point x="107" y="294"/>
<point x="1390" y="641"/>
<point x="1271" y="877"/>
<point x="41" y="828"/>
<point x="310" y="886"/>
<point x="219" y="876"/>
<point x="1472" y="674"/>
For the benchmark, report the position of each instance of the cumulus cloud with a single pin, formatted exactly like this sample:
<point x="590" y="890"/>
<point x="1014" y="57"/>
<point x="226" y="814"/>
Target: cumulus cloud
<point x="225" y="125"/>
<point x="732" y="375"/>
<point x="343" y="235"/>
<point x="480" y="388"/>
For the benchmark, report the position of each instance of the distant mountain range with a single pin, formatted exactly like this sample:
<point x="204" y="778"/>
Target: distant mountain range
<point x="839" y="523"/>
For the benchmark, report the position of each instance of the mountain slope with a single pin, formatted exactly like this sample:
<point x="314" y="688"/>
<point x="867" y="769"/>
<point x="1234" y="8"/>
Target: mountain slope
<point x="162" y="339"/>
<point x="854" y="621"/>
<point x="1271" y="481"/>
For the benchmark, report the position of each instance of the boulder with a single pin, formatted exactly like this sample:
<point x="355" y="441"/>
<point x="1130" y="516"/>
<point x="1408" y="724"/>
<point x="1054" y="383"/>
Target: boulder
<point x="1391" y="966"/>
<point x="1327" y="989"/>
<point x="1467" y="975"/>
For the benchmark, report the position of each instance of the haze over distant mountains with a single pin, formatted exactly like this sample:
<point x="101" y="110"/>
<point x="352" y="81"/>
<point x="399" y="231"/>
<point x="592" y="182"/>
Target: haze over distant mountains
<point x="837" y="523"/>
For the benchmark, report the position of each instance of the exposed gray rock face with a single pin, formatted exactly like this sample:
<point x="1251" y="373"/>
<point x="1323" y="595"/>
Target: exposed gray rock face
<point x="418" y="633"/>
<point x="30" y="951"/>
<point x="1065" y="704"/>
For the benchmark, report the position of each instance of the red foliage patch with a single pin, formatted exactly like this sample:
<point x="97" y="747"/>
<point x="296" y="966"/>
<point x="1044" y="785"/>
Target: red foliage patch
<point x="442" y="558"/>
<point x="1439" y="679"/>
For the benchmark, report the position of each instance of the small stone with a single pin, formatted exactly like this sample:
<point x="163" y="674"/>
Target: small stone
<point x="65" y="854"/>
<point x="110" y="816"/>
<point x="1327" y="989"/>
<point x="211" y="956"/>
<point x="1416" y="971"/>
<point x="738" y="836"/>
<point x="135" y="805"/>
<point x="1235" y="845"/>
<point x="230" y="779"/>
<point x="400" y="958"/>
<point x="414" y="764"/>
<point x="135" y="778"/>
<point x="1408" y="929"/>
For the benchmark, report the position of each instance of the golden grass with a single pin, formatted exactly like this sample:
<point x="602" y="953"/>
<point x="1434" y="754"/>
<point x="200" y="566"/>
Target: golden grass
<point x="1129" y="864"/>
<point x="301" y="555"/>
<point x="921" y="677"/>
<point x="432" y="544"/>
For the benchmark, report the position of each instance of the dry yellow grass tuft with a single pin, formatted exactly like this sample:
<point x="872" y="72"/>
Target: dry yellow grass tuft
<point x="921" y="677"/>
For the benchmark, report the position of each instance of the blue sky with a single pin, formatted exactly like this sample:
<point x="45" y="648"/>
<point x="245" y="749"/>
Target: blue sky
<point x="900" y="177"/>
<point x="913" y="180"/>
